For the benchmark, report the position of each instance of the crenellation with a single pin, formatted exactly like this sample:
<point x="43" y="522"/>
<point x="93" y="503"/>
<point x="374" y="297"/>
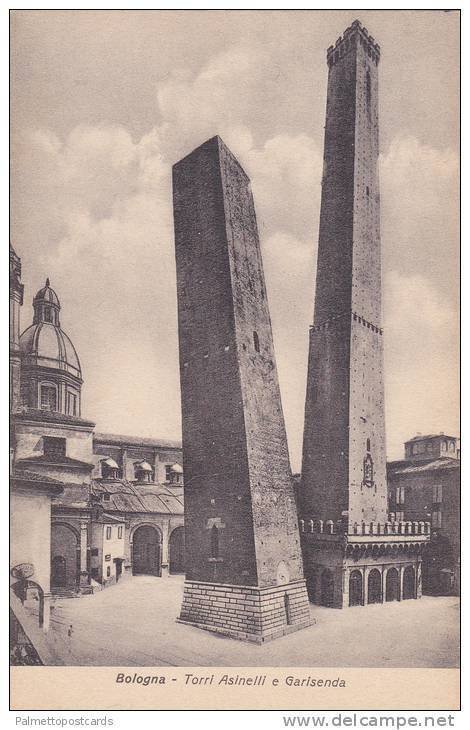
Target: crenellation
<point x="347" y="42"/>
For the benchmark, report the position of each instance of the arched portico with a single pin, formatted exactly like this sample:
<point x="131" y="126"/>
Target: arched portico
<point x="176" y="550"/>
<point x="409" y="583"/>
<point x="327" y="587"/>
<point x="374" y="586"/>
<point x="392" y="585"/>
<point x="65" y="556"/>
<point x="356" y="592"/>
<point x="146" y="544"/>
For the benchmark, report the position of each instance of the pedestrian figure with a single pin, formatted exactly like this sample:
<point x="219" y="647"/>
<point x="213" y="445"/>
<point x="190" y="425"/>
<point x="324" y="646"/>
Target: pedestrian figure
<point x="69" y="634"/>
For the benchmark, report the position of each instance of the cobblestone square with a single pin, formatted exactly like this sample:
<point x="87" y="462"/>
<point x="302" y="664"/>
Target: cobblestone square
<point x="134" y="624"/>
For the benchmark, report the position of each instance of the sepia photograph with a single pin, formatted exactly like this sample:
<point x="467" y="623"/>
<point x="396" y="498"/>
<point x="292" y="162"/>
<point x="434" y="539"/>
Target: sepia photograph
<point x="234" y="344"/>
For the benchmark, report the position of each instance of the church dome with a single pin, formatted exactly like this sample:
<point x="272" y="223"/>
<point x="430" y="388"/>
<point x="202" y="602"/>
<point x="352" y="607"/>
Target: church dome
<point x="51" y="376"/>
<point x="50" y="347"/>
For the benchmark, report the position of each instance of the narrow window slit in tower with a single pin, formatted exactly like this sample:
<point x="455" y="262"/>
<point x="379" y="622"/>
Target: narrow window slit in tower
<point x="214" y="542"/>
<point x="368" y="88"/>
<point x="256" y="341"/>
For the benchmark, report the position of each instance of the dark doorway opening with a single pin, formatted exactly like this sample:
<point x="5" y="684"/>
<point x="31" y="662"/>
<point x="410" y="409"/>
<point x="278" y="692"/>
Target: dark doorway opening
<point x="355" y="588"/>
<point x="65" y="556"/>
<point x="312" y="581"/>
<point x="59" y="571"/>
<point x="287" y="609"/>
<point x="146" y="553"/>
<point x="374" y="587"/>
<point x="409" y="587"/>
<point x="177" y="550"/>
<point x="119" y="562"/>
<point x="327" y="588"/>
<point x="392" y="586"/>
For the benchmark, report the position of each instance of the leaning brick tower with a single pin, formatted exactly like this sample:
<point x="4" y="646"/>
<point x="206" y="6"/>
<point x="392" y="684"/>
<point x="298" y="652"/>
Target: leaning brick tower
<point x="244" y="573"/>
<point x="343" y="495"/>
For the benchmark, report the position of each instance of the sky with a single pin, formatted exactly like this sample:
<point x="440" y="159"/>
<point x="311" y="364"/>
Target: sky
<point x="103" y="103"/>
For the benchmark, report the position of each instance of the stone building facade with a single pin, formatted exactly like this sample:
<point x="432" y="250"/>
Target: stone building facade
<point x="87" y="509"/>
<point x="244" y="572"/>
<point x="425" y="485"/>
<point x="16" y="300"/>
<point x="31" y="495"/>
<point x="353" y="552"/>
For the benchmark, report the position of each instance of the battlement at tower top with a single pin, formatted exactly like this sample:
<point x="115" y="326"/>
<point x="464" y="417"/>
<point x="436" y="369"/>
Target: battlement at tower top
<point x="356" y="33"/>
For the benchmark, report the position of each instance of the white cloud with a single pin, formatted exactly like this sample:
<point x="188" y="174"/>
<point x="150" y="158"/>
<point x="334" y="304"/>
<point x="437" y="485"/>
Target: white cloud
<point x="286" y="174"/>
<point x="412" y="303"/>
<point x="420" y="205"/>
<point x="421" y="360"/>
<point x="218" y="98"/>
<point x="96" y="208"/>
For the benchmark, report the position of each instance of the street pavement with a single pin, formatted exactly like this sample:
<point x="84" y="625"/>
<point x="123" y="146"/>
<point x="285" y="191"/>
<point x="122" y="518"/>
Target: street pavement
<point x="134" y="624"/>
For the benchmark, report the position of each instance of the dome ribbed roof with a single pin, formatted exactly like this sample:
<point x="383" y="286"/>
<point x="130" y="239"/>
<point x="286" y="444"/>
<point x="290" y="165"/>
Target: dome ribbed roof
<point x="46" y="294"/>
<point x="50" y="347"/>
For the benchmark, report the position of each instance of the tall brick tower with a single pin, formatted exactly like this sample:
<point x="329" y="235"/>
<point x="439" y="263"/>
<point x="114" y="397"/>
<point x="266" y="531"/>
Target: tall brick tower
<point x="344" y="490"/>
<point x="244" y="572"/>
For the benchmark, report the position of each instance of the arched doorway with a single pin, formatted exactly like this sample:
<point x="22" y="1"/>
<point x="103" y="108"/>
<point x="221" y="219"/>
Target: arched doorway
<point x="177" y="550"/>
<point x="392" y="586"/>
<point x="311" y="583"/>
<point x="59" y="571"/>
<point x="146" y="553"/>
<point x="327" y="588"/>
<point x="409" y="589"/>
<point x="374" y="587"/>
<point x="64" y="556"/>
<point x="355" y="588"/>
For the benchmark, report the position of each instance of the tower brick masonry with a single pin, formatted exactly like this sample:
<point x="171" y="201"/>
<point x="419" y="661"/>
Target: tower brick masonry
<point x="244" y="574"/>
<point x="344" y="490"/>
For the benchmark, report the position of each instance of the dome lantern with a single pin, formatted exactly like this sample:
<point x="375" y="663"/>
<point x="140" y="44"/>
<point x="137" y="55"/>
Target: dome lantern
<point x="46" y="305"/>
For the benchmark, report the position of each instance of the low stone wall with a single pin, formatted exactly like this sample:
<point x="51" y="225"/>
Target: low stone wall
<point x="246" y="612"/>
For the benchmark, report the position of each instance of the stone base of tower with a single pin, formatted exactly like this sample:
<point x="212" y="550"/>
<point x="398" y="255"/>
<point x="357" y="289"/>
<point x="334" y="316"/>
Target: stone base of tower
<point x="355" y="570"/>
<point x="248" y="613"/>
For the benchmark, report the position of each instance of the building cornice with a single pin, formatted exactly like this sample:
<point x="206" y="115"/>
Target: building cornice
<point x="33" y="416"/>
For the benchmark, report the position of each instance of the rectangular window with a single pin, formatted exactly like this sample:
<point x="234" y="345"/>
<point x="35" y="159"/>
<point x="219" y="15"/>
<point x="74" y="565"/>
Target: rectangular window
<point x="72" y="404"/>
<point x="108" y="571"/>
<point x="437" y="494"/>
<point x="54" y="447"/>
<point x="108" y="533"/>
<point x="436" y="519"/>
<point x="168" y="472"/>
<point x="400" y="495"/>
<point x="119" y="532"/>
<point x="48" y="401"/>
